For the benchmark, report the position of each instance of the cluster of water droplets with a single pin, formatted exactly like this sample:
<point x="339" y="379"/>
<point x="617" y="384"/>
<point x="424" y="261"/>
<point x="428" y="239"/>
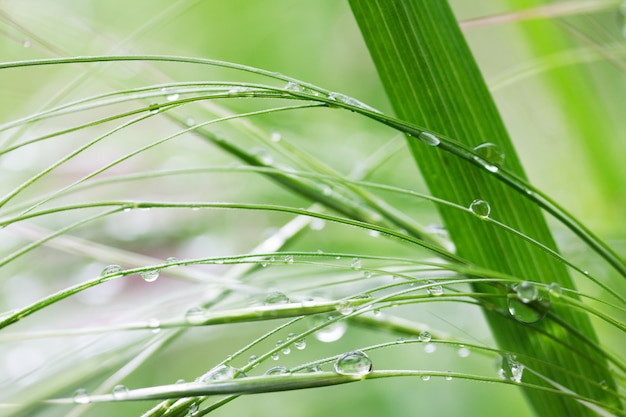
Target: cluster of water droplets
<point x="510" y="368"/>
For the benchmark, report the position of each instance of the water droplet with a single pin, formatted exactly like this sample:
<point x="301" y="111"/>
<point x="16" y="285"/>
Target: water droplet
<point x="120" y="392"/>
<point x="192" y="410"/>
<point x="331" y="332"/>
<point x="351" y="101"/>
<point x="429" y="139"/>
<point x="263" y="155"/>
<point x="309" y="302"/>
<point x="26" y="43"/>
<point x="171" y="260"/>
<point x="154" y="324"/>
<point x="81" y="396"/>
<point x="434" y="288"/>
<point x="527" y="291"/>
<point x="289" y="259"/>
<point x="220" y="373"/>
<point x="313" y="368"/>
<point x="277" y="370"/>
<point x="401" y="340"/>
<point x="356" y="264"/>
<point x="326" y="190"/>
<point x="377" y="313"/>
<point x="150" y="276"/>
<point x="300" y="344"/>
<point x="448" y="377"/>
<point x="345" y="307"/>
<point x="430" y="347"/>
<point x="286" y="350"/>
<point x="510" y="368"/>
<point x="373" y="233"/>
<point x="490" y="152"/>
<point x="425" y="336"/>
<point x="292" y="86"/>
<point x="463" y="352"/>
<point x="367" y="274"/>
<point x="170" y="94"/>
<point x="190" y="122"/>
<point x="555" y="290"/>
<point x="154" y="108"/>
<point x="195" y="315"/>
<point x="276" y="297"/>
<point x="480" y="208"/>
<point x="111" y="269"/>
<point x="425" y="377"/>
<point x="275" y="356"/>
<point x="180" y="381"/>
<point x="353" y="363"/>
<point x="528" y="304"/>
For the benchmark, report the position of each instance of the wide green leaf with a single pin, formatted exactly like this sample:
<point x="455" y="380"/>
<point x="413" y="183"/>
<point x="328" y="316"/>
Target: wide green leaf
<point x="432" y="80"/>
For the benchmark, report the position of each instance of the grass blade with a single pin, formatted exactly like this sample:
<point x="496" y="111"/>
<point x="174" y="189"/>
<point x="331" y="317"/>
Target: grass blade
<point x="432" y="80"/>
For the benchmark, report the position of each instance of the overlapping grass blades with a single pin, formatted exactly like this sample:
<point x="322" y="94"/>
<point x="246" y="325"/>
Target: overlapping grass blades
<point x="432" y="80"/>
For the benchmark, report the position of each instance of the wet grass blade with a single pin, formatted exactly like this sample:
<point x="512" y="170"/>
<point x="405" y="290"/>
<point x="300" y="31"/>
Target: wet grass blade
<point x="432" y="80"/>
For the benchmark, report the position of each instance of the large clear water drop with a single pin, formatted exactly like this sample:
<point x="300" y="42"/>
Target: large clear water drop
<point x="480" y="208"/>
<point x="150" y="276"/>
<point x="81" y="396"/>
<point x="120" y="392"/>
<point x="354" y="363"/>
<point x="111" y="269"/>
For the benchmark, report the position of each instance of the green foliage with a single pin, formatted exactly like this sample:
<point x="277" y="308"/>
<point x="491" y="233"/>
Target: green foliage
<point x="178" y="233"/>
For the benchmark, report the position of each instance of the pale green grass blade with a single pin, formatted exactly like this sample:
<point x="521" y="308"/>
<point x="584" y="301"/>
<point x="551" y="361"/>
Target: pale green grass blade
<point x="432" y="80"/>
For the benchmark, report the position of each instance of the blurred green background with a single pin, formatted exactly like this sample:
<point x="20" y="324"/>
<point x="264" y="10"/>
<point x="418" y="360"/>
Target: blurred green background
<point x="313" y="41"/>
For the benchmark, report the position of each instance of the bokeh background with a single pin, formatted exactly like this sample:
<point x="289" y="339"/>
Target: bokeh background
<point x="562" y="101"/>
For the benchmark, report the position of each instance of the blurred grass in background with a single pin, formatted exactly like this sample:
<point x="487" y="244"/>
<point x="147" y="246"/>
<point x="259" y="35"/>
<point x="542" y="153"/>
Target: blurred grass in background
<point x="320" y="43"/>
